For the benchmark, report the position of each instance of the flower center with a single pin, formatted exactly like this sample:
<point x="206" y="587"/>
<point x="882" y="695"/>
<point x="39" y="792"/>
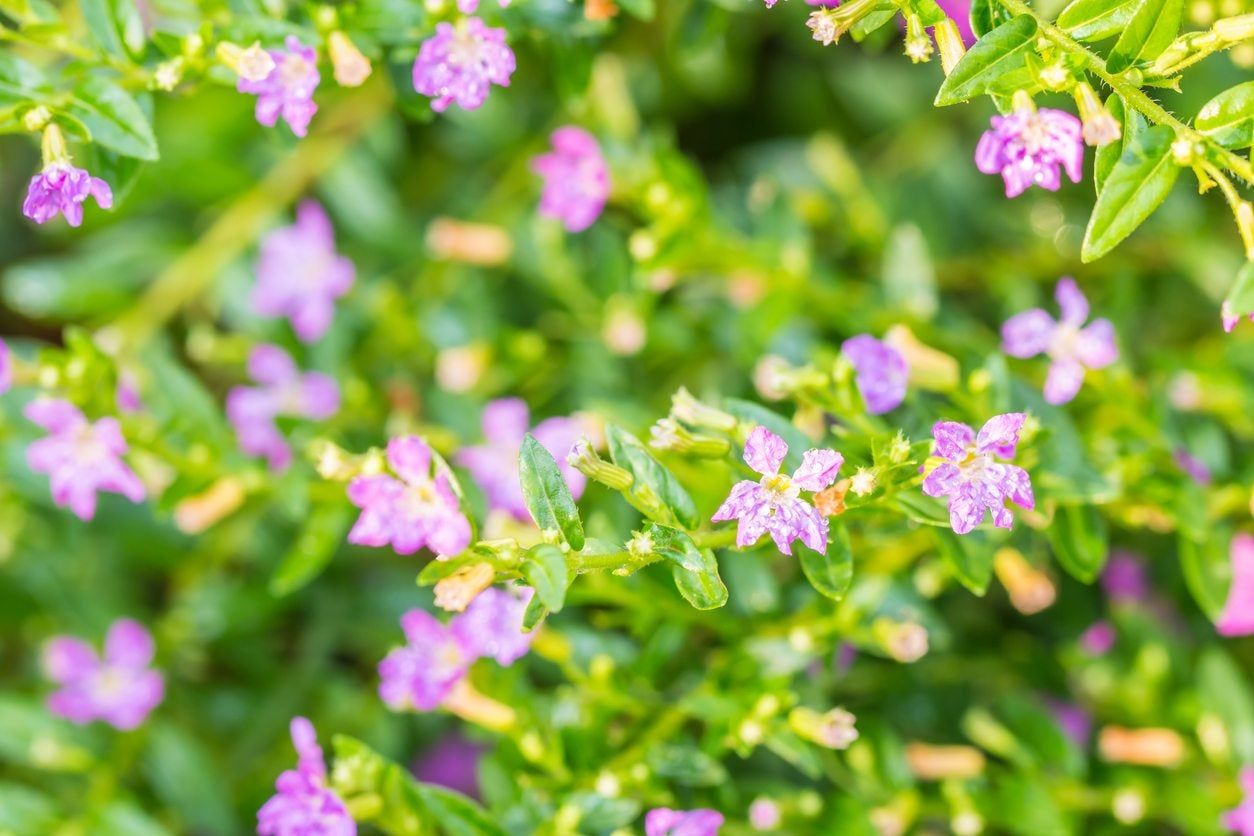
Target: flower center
<point x="1035" y="133"/>
<point x="293" y="71"/>
<point x="779" y="487"/>
<point x="1063" y="343"/>
<point x="419" y="498"/>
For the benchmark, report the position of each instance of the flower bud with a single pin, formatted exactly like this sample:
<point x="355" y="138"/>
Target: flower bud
<point x="824" y="26"/>
<point x="624" y="331"/>
<point x="669" y="434"/>
<point x="585" y="459"/>
<point x="832" y="729"/>
<point x="1245" y="224"/>
<point x="350" y="67"/>
<point x="459" y="368"/>
<point x="697" y="414"/>
<point x="1029" y="588"/>
<point x="936" y="763"/>
<point x="929" y="368"/>
<point x="949" y="43"/>
<point x="195" y="514"/>
<point x="36" y="119"/>
<point x="918" y="44"/>
<point x="485" y="245"/>
<point x="905" y="641"/>
<point x="771" y="377"/>
<point x="1186" y="152"/>
<point x="168" y="74"/>
<point x="899" y="449"/>
<point x="640" y="546"/>
<point x="455" y="592"/>
<point x="764" y="814"/>
<point x="1142" y="747"/>
<point x="595" y="10"/>
<point x="474" y="707"/>
<point x="863" y="481"/>
<point x="1099" y="126"/>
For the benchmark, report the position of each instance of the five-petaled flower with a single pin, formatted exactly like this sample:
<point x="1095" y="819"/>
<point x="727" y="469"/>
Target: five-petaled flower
<point x="62" y="189"/>
<point x="576" y="179"/>
<point x="1029" y="147"/>
<point x="1069" y="343"/>
<point x="461" y="62"/>
<point x="663" y="821"/>
<point x="880" y="372"/>
<point x="303" y="804"/>
<point x="494" y="465"/>
<point x="287" y="90"/>
<point x="970" y="475"/>
<point x="418" y="509"/>
<point x="300" y="275"/>
<point x="773" y="504"/>
<point x="284" y="391"/>
<point x="1237" y="616"/>
<point x="118" y="687"/>
<point x="80" y="457"/>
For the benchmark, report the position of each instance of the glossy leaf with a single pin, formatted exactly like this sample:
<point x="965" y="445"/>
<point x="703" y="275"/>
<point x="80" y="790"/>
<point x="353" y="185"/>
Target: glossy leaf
<point x="675" y="546"/>
<point x="655" y="491"/>
<point x="114" y="118"/>
<point x="702" y="587"/>
<point x="996" y="64"/>
<point x="319" y="539"/>
<point x="547" y="496"/>
<point x="1136" y="186"/>
<point x="830" y="572"/>
<point x="1079" y="540"/>
<point x="546" y="570"/>
<point x="1131" y="124"/>
<point x="1153" y="26"/>
<point x="1229" y="117"/>
<point x="1096" y="20"/>
<point x="970" y="556"/>
<point x="987" y="15"/>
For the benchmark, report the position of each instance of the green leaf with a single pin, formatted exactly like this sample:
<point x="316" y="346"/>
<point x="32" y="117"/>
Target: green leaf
<point x="675" y="546"/>
<point x="703" y="588"/>
<point x="20" y="80"/>
<point x="1137" y="185"/>
<point x="1096" y="20"/>
<point x="654" y="491"/>
<point x="1207" y="570"/>
<point x="970" y="556"/>
<point x="318" y="541"/>
<point x="996" y="64"/>
<point x="114" y="118"/>
<point x="115" y="25"/>
<point x="534" y="614"/>
<point x="830" y="572"/>
<point x="987" y="15"/>
<point x="455" y="814"/>
<point x="1153" y="26"/>
<point x="686" y="765"/>
<point x="544" y="490"/>
<point x="1224" y="690"/>
<point x="1131" y="124"/>
<point x="1229" y="117"/>
<point x="1240" y="299"/>
<point x="547" y="572"/>
<point x="642" y="9"/>
<point x="1078" y="537"/>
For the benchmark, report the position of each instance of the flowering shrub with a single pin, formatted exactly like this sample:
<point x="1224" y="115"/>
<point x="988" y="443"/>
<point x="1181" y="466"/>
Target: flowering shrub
<point x="613" y="416"/>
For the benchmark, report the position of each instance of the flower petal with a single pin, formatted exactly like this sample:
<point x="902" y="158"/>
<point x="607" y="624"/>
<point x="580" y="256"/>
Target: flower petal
<point x="765" y="451"/>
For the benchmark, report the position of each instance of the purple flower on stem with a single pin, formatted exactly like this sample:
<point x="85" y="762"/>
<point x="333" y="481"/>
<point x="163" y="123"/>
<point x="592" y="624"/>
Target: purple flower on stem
<point x="1069" y="343"/>
<point x="63" y="189"/>
<point x="494" y="465"/>
<point x="300" y="275"/>
<point x="1237" y="616"/>
<point x="970" y="475"/>
<point x="304" y="805"/>
<point x="453" y="762"/>
<point x="418" y="509"/>
<point x="576" y="179"/>
<point x="288" y="89"/>
<point x="425" y="670"/>
<point x="284" y="392"/>
<point x="492" y="626"/>
<point x="1124" y="579"/>
<point x="773" y="504"/>
<point x="663" y="821"/>
<point x="80" y="457"/>
<point x="1030" y="146"/>
<point x="1240" y="819"/>
<point x="880" y="372"/>
<point x="120" y="688"/>
<point x="460" y="63"/>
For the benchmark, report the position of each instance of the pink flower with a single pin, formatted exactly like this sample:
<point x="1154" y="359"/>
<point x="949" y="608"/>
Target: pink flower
<point x="492" y="626"/>
<point x="425" y="670"/>
<point x="494" y="465"/>
<point x="663" y="821"/>
<point x="418" y="509"/>
<point x="461" y="63"/>
<point x="970" y="475"/>
<point x="452" y="762"/>
<point x="119" y="688"/>
<point x="1240" y="819"/>
<point x="1230" y="319"/>
<point x="63" y="189"/>
<point x="1124" y="579"/>
<point x="576" y="179"/>
<point x="1069" y="343"/>
<point x="1028" y="147"/>
<point x="284" y="392"/>
<point x="6" y="368"/>
<point x="469" y="7"/>
<point x="80" y="457"/>
<point x="881" y="372"/>
<point x="1237" y="617"/>
<point x="303" y="804"/>
<point x="1098" y="639"/>
<point x="300" y="275"/>
<point x="773" y="504"/>
<point x="288" y="89"/>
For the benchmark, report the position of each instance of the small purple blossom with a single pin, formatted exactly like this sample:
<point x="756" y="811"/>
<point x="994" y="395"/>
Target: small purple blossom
<point x="1240" y="819"/>
<point x="6" y="367"/>
<point x="303" y="804"/>
<point x="1074" y="721"/>
<point x="461" y="62"/>
<point x="663" y="821"/>
<point x="284" y="391"/>
<point x="300" y="275"/>
<point x="453" y="762"/>
<point x="773" y="504"/>
<point x="970" y="475"/>
<point x="1028" y="147"/>
<point x="63" y="189"/>
<point x="418" y="509"/>
<point x="1237" y="616"/>
<point x="492" y="626"/>
<point x="1194" y="467"/>
<point x="425" y="670"/>
<point x="1098" y="639"/>
<point x="469" y="7"/>
<point x="80" y="457"/>
<point x="119" y="688"/>
<point x="880" y="370"/>
<point x="1069" y="343"/>
<point x="494" y="465"/>
<point x="1124" y="578"/>
<point x="576" y="179"/>
<point x="288" y="89"/>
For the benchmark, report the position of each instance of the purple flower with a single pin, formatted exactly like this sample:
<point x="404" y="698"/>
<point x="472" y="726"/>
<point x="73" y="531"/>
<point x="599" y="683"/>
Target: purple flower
<point x="418" y="509"/>
<point x="1240" y="819"/>
<point x="1124" y="579"/>
<point x="425" y="670"/>
<point x="304" y="805"/>
<point x="492" y="626"/>
<point x="1098" y="639"/>
<point x="300" y="275"/>
<point x="453" y="762"/>
<point x="773" y="504"/>
<point x="1192" y="465"/>
<point x="1069" y="343"/>
<point x="80" y="457"/>
<point x="288" y="89"/>
<point x="971" y="476"/>
<point x="576" y="179"/>
<point x="494" y="465"/>
<point x="1028" y="147"/>
<point x="1074" y="721"/>
<point x="62" y="188"/>
<point x="880" y="372"/>
<point x="1229" y="319"/>
<point x="959" y="11"/>
<point x="663" y="821"/>
<point x="119" y="689"/>
<point x="469" y="7"/>
<point x="284" y="392"/>
<point x="1237" y="617"/>
<point x="6" y="368"/>
<point x="460" y="64"/>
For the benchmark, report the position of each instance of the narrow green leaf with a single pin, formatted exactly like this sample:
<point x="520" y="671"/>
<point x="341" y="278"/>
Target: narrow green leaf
<point x="546" y="494"/>
<point x="996" y="64"/>
<point x="655" y="491"/>
<point x="1153" y="26"/>
<point x="546" y="570"/>
<point x="318" y="541"/>
<point x="987" y="15"/>
<point x="1240" y="299"/>
<point x="1078" y="537"/>
<point x="676" y="546"/>
<point x="970" y="556"/>
<point x="534" y="614"/>
<point x="1137" y="185"/>
<point x="703" y="588"/>
<point x="1229" y="117"/>
<point x="1207" y="569"/>
<point x="1131" y="124"/>
<point x="20" y="80"/>
<point x="1096" y="20"/>
<point x="114" y="118"/>
<point x="830" y="572"/>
